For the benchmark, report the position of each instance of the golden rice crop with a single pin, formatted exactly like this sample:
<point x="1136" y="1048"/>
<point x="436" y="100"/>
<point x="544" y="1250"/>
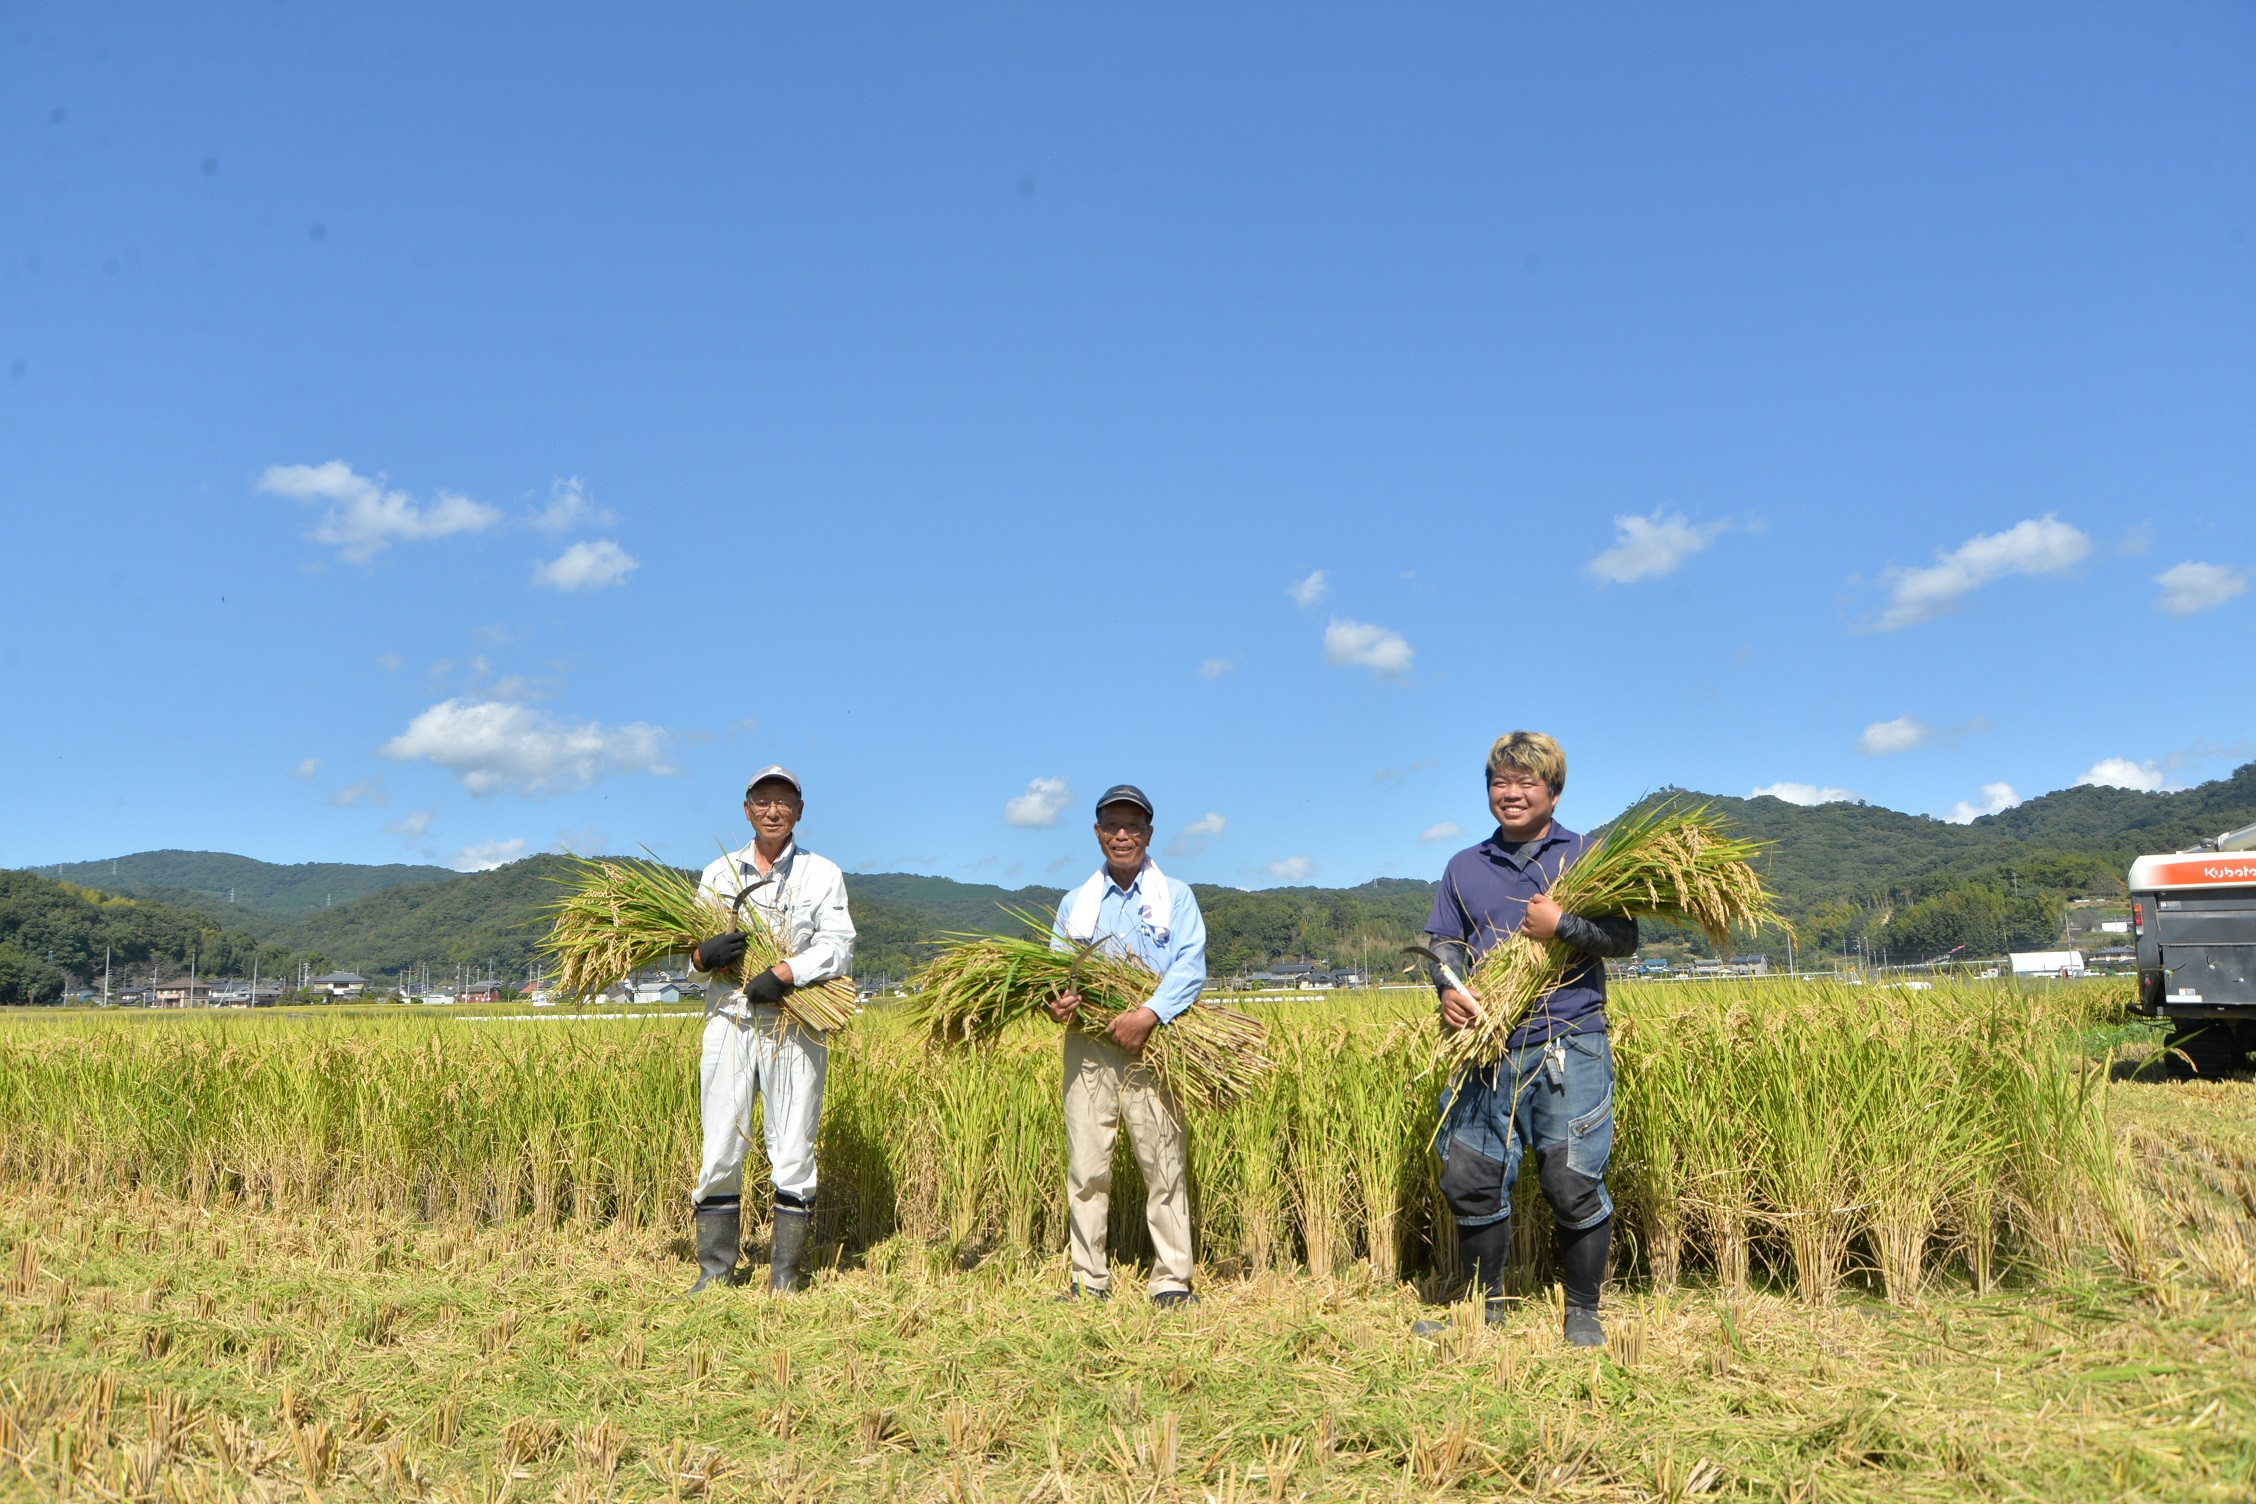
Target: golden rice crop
<point x="622" y="915"/>
<point x="1722" y="1170"/>
<point x="1680" y="865"/>
<point x="979" y="985"/>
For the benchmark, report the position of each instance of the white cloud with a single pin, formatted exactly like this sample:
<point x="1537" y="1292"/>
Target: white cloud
<point x="1310" y="590"/>
<point x="1805" y="793"/>
<point x="1192" y="838"/>
<point x="1215" y="668"/>
<point x="1358" y="644"/>
<point x="2039" y="545"/>
<point x="587" y="566"/>
<point x="2122" y="773"/>
<point x="2189" y="589"/>
<point x="494" y="745"/>
<point x="1899" y="735"/>
<point x="412" y="825"/>
<point x="486" y="855"/>
<point x="1445" y="830"/>
<point x="390" y="663"/>
<point x="1291" y="869"/>
<point x="1645" y="548"/>
<point x="1997" y="798"/>
<point x="309" y="767"/>
<point x="568" y="508"/>
<point x="1038" y="807"/>
<point x="367" y="791"/>
<point x="362" y="519"/>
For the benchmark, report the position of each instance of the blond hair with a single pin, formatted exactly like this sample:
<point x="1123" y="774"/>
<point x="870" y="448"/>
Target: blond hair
<point x="1530" y="752"/>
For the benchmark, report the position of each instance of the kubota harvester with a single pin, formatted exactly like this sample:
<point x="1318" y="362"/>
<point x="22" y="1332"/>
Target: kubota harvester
<point x="2194" y="913"/>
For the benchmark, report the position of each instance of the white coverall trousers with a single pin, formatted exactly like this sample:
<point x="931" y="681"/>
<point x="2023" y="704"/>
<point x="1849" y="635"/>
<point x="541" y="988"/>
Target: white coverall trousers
<point x="759" y="1054"/>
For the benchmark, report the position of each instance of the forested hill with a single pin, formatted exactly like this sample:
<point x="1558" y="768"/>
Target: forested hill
<point x="51" y="932"/>
<point x="207" y="879"/>
<point x="1860" y="852"/>
<point x="1850" y="875"/>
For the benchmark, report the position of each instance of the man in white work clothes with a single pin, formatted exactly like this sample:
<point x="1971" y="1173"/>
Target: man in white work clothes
<point x="1131" y="908"/>
<point x="751" y="1047"/>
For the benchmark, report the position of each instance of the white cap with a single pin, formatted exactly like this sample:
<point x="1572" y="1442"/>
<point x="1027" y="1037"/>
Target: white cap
<point x="775" y="770"/>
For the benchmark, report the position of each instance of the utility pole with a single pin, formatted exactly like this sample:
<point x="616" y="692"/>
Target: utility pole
<point x="105" y="976"/>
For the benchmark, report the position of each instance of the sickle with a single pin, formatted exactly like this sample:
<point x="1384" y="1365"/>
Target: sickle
<point x="736" y="904"/>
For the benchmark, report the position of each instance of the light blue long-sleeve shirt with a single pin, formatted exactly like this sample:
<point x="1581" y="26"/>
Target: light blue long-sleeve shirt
<point x="1180" y="960"/>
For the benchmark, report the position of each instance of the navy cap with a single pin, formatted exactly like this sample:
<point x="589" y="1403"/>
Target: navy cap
<point x="775" y="770"/>
<point x="1125" y="793"/>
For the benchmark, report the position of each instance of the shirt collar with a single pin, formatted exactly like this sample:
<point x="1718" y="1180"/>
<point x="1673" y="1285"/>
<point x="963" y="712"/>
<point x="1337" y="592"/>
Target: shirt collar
<point x="747" y="856"/>
<point x="1135" y="884"/>
<point x="1529" y="850"/>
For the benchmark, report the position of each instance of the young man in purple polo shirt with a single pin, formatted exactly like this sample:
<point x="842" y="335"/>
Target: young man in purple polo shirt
<point x="1553" y="1090"/>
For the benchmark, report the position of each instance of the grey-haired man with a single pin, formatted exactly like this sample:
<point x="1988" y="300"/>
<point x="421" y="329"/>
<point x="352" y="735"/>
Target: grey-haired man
<point x="751" y="1048"/>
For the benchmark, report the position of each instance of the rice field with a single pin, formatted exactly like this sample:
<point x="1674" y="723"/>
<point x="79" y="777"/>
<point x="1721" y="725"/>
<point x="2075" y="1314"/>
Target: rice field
<point x="1784" y="1132"/>
<point x="1870" y="1245"/>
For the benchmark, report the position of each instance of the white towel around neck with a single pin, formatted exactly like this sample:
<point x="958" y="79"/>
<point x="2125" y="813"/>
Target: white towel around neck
<point x="1157" y="905"/>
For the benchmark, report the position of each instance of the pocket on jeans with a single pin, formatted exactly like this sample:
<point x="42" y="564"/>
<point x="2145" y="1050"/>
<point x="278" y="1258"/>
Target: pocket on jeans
<point x="1591" y="1044"/>
<point x="1472" y="1183"/>
<point x="1590" y="1139"/>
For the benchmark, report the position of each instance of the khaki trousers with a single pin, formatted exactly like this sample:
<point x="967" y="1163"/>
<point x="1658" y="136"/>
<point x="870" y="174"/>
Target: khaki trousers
<point x="1104" y="1085"/>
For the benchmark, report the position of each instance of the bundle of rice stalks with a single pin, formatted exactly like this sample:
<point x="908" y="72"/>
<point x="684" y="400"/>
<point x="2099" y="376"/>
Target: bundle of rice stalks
<point x="1208" y="1056"/>
<point x="1677" y="864"/>
<point x="623" y="915"/>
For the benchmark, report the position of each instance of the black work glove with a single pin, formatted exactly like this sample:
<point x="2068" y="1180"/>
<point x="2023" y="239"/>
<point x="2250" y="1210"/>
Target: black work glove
<point x="767" y="987"/>
<point x="719" y="953"/>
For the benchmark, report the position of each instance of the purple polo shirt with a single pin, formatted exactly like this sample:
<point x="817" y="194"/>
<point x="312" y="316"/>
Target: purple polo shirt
<point x="1484" y="895"/>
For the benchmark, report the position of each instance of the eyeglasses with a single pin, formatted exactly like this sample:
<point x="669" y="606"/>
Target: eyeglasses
<point x="1502" y="783"/>
<point x="1115" y="827"/>
<point x="767" y="804"/>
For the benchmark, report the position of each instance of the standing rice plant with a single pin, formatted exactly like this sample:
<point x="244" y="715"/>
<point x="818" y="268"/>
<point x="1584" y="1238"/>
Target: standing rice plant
<point x="1322" y="1173"/>
<point x="875" y="1115"/>
<point x="1652" y="1090"/>
<point x="430" y="1116"/>
<point x="1720" y="1138"/>
<point x="1811" y="1106"/>
<point x="1030" y="1143"/>
<point x="969" y="1122"/>
<point x="1912" y="1145"/>
<point x="1241" y="1162"/>
<point x="2044" y="1101"/>
<point x="1375" y="1090"/>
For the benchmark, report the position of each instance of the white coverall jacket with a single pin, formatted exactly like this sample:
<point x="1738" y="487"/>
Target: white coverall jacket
<point x="753" y="1050"/>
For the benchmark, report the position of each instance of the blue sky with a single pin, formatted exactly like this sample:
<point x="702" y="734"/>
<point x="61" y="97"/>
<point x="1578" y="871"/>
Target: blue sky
<point x="433" y="433"/>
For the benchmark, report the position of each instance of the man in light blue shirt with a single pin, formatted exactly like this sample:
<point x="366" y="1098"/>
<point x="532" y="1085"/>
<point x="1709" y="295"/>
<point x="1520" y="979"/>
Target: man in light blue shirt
<point x="1133" y="908"/>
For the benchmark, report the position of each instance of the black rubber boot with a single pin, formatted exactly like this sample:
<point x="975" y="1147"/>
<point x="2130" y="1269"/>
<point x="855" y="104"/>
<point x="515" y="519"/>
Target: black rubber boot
<point x="1582" y="1269"/>
<point x="719" y="1230"/>
<point x="1482" y="1252"/>
<point x="787" y="1246"/>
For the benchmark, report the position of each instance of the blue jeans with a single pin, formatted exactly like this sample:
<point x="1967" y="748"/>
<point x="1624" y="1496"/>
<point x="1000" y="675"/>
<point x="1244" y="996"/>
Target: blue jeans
<point x="1557" y="1098"/>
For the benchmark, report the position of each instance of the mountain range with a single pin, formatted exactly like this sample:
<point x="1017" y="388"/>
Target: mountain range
<point x="1849" y="875"/>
